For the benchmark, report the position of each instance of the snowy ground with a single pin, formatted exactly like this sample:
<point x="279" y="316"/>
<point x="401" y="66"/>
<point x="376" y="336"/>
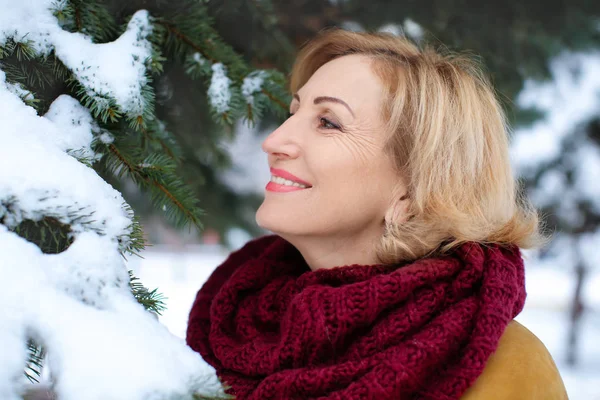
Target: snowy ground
<point x="179" y="273"/>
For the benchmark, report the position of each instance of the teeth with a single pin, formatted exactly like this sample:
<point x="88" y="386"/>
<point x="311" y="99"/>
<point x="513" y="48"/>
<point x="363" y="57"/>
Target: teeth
<point x="286" y="182"/>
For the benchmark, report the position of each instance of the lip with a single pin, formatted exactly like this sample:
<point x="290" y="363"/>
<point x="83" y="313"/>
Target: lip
<point x="289" y="176"/>
<point x="275" y="187"/>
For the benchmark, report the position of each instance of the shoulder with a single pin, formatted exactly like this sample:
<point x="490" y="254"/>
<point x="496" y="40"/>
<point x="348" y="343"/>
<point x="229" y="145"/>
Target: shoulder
<point x="521" y="368"/>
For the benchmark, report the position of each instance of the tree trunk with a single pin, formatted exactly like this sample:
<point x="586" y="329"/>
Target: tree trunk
<point x="577" y="308"/>
<point x="39" y="391"/>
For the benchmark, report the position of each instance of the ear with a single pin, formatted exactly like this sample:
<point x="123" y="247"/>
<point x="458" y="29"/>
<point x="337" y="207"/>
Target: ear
<point x="397" y="213"/>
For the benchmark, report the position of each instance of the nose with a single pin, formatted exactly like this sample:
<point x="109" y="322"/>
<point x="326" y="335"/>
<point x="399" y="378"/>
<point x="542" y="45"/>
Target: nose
<point x="283" y="141"/>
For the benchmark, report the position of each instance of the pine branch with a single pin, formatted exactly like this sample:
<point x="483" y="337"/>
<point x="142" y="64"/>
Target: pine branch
<point x="35" y="358"/>
<point x="157" y="139"/>
<point x="150" y="299"/>
<point x="160" y="176"/>
<point x="49" y="234"/>
<point x="134" y="242"/>
<point x="88" y="17"/>
<point x="200" y="47"/>
<point x="173" y="30"/>
<point x="277" y="100"/>
<point x="20" y="65"/>
<point x="101" y="106"/>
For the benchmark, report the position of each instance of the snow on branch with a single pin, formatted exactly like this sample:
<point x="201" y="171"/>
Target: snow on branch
<point x="100" y="342"/>
<point x="106" y="71"/>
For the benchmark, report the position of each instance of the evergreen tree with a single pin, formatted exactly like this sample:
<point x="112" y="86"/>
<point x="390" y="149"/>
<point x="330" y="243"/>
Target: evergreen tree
<point x="80" y="86"/>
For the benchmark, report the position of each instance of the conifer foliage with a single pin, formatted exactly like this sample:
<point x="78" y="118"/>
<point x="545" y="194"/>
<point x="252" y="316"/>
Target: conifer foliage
<point x="77" y="108"/>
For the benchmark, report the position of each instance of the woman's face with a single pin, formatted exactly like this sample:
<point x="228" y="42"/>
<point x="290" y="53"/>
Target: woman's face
<point x="334" y="141"/>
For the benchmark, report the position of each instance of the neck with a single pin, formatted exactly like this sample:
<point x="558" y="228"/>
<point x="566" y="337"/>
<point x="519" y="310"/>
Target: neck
<point x="329" y="252"/>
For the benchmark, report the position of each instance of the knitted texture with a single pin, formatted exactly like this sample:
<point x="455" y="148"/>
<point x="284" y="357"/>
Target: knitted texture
<point x="274" y="329"/>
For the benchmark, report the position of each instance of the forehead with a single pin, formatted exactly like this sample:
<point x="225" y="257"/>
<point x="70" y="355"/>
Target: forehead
<point x="351" y="78"/>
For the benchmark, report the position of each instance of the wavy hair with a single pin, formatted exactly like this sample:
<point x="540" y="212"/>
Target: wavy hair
<point x="448" y="138"/>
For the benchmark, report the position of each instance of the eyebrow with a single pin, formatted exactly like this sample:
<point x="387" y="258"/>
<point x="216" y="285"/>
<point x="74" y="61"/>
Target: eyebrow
<point x="323" y="99"/>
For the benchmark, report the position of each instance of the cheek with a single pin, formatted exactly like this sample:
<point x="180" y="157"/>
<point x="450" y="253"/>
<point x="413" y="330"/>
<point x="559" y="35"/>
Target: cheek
<point x="347" y="185"/>
<point x="367" y="186"/>
<point x="343" y="167"/>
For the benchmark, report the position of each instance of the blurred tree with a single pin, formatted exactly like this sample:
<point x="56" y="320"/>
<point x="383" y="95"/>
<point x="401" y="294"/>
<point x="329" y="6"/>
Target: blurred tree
<point x="565" y="188"/>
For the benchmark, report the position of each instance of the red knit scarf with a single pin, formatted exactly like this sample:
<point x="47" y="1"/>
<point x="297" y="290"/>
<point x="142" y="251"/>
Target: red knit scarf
<point x="274" y="329"/>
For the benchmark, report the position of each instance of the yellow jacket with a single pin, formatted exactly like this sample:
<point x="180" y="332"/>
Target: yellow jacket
<point x="520" y="369"/>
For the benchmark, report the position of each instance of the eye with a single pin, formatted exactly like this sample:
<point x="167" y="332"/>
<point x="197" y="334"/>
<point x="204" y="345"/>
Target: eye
<point x="323" y="122"/>
<point x="327" y="124"/>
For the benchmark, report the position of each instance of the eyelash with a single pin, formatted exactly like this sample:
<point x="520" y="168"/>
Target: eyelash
<point x="321" y="119"/>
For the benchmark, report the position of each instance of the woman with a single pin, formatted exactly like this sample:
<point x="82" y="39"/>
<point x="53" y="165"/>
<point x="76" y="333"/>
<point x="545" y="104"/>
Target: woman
<point x="395" y="270"/>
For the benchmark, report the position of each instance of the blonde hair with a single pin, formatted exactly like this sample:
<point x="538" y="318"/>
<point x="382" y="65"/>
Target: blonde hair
<point x="448" y="138"/>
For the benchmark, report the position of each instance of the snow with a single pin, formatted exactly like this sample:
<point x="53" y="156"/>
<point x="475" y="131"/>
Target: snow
<point x="352" y="26"/>
<point x="249" y="172"/>
<point x="17" y="89"/>
<point x="116" y="68"/>
<point x="552" y="181"/>
<point x="413" y="29"/>
<point x="588" y="246"/>
<point x="199" y="59"/>
<point x="106" y="138"/>
<point x="587" y="161"/>
<point x="409" y="28"/>
<point x="569" y="98"/>
<point x="35" y="167"/>
<point x="76" y="125"/>
<point x="77" y="303"/>
<point x="252" y="84"/>
<point x="218" y="91"/>
<point x="180" y="272"/>
<point x="392" y="28"/>
<point x="81" y="308"/>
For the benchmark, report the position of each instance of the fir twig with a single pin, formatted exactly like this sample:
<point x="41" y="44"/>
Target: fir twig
<point x="158" y="173"/>
<point x="35" y="358"/>
<point x="150" y="299"/>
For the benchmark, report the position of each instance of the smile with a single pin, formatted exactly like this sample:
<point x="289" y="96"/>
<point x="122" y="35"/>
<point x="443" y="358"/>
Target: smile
<point x="278" y="184"/>
<point x="282" y="181"/>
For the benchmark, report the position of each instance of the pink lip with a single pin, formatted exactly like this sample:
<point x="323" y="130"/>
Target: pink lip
<point x="286" y="175"/>
<point x="275" y="187"/>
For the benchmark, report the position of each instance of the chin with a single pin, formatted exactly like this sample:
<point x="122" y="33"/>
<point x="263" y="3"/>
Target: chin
<point x="281" y="224"/>
<point x="266" y="221"/>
